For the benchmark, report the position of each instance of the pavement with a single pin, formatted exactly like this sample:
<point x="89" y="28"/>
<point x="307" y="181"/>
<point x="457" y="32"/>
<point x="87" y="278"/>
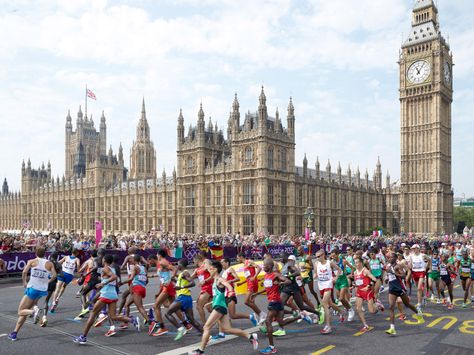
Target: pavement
<point x="443" y="332"/>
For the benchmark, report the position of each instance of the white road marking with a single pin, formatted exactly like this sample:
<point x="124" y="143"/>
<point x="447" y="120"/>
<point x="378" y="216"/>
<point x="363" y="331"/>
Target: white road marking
<point x="3" y="335"/>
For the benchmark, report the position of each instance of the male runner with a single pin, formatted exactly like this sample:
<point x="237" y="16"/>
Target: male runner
<point x="219" y="312"/>
<point x="464" y="267"/>
<point x="433" y="276"/>
<point x="446" y="268"/>
<point x="205" y="282"/>
<point x="70" y="263"/>
<point x="251" y="271"/>
<point x="35" y="288"/>
<point x="342" y="283"/>
<point x="396" y="289"/>
<point x="53" y="258"/>
<point x="418" y="264"/>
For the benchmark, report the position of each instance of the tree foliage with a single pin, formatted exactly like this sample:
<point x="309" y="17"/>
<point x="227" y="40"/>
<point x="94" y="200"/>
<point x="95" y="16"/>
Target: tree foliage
<point x="463" y="214"/>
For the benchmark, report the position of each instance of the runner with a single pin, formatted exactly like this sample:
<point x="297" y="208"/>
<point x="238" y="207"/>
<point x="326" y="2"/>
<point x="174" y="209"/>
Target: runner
<point x="433" y="276"/>
<point x="271" y="283"/>
<point x="53" y="258"/>
<point x="251" y="271"/>
<point x="365" y="292"/>
<point x="396" y="289"/>
<point x="70" y="264"/>
<point x="108" y="297"/>
<point x="35" y="288"/>
<point x="91" y="279"/>
<point x="205" y="282"/>
<point x="184" y="302"/>
<point x="139" y="280"/>
<point x="342" y="283"/>
<point x="419" y="263"/>
<point x="324" y="273"/>
<point x="446" y="268"/>
<point x="376" y="268"/>
<point x="464" y="266"/>
<point x="166" y="272"/>
<point x="306" y="267"/>
<point x="219" y="312"/>
<point x="127" y="265"/>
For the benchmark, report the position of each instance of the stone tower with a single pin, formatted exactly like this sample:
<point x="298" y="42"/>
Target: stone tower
<point x="143" y="155"/>
<point x="425" y="97"/>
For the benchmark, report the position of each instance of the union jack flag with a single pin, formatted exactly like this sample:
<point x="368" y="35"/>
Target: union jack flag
<point x="91" y="95"/>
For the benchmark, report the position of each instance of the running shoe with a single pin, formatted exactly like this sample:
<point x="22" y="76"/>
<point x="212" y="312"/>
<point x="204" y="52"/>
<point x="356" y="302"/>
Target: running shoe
<point x="262" y="318"/>
<point x="418" y="307"/>
<point x="263" y="329"/>
<point x="253" y="319"/>
<point x="321" y="316"/>
<point x="44" y="321"/>
<point x="305" y="316"/>
<point x="111" y="332"/>
<point x="100" y="320"/>
<point x="136" y="322"/>
<point x="464" y="305"/>
<point x="450" y="306"/>
<point x="36" y="311"/>
<point x="196" y="352"/>
<point x="151" y="316"/>
<point x="254" y="341"/>
<point x="12" y="336"/>
<point x="217" y="337"/>
<point x="342" y="318"/>
<point x="419" y="318"/>
<point x="269" y="350"/>
<point x="402" y="317"/>
<point x="382" y="289"/>
<point x="391" y="331"/>
<point x="432" y="299"/>
<point x="83" y="312"/>
<point x="326" y="330"/>
<point x="81" y="339"/>
<point x="365" y="329"/>
<point x="181" y="332"/>
<point x="472" y="298"/>
<point x="351" y="314"/>
<point x="279" y="333"/>
<point x="123" y="326"/>
<point x="438" y="301"/>
<point x="188" y="326"/>
<point x="151" y="327"/>
<point x="78" y="294"/>
<point x="160" y="332"/>
<point x="53" y="308"/>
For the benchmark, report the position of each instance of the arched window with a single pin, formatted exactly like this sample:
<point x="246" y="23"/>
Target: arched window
<point x="248" y="155"/>
<point x="270" y="158"/>
<point x="189" y="163"/>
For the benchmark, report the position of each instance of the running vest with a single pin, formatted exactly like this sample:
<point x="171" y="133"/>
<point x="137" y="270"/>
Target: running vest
<point x="435" y="265"/>
<point x="443" y="270"/>
<point x="360" y="279"/>
<point x="181" y="282"/>
<point x="271" y="287"/>
<point x="228" y="277"/>
<point x="394" y="282"/>
<point x="69" y="264"/>
<point x="39" y="276"/>
<point x="249" y="271"/>
<point x="141" y="278"/>
<point x="350" y="260"/>
<point x="218" y="300"/>
<point x="465" y="267"/>
<point x="472" y="268"/>
<point x="418" y="263"/>
<point x="108" y="291"/>
<point x="305" y="266"/>
<point x="324" y="273"/>
<point x="375" y="267"/>
<point x="164" y="275"/>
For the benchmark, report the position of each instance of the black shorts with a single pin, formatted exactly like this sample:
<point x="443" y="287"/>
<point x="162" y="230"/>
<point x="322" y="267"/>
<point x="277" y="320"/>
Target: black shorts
<point x="220" y="309"/>
<point x="275" y="306"/>
<point x="52" y="285"/>
<point x="231" y="299"/>
<point x="290" y="289"/>
<point x="397" y="291"/>
<point x="90" y="286"/>
<point x="464" y="278"/>
<point x="446" y="279"/>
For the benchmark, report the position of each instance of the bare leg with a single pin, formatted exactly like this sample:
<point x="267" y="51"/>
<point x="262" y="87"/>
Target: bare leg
<point x="24" y="310"/>
<point x="202" y="300"/>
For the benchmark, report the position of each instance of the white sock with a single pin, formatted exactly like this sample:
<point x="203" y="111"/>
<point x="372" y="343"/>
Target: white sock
<point x="392" y="326"/>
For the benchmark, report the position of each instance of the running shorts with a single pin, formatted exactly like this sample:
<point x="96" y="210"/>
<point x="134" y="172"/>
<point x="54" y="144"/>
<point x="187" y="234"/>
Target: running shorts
<point x="186" y="302"/>
<point x="106" y="300"/>
<point x="446" y="279"/>
<point x="416" y="275"/>
<point x="231" y="299"/>
<point x="275" y="306"/>
<point x="168" y="289"/>
<point x="323" y="291"/>
<point x="366" y="295"/>
<point x="34" y="294"/>
<point x="396" y="291"/>
<point x="220" y="309"/>
<point x="65" y="277"/>
<point x="207" y="289"/>
<point x="341" y="282"/>
<point x="252" y="287"/>
<point x="139" y="290"/>
<point x="434" y="275"/>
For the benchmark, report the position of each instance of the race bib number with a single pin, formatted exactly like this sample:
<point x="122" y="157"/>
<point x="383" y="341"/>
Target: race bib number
<point x="324" y="278"/>
<point x="434" y="268"/>
<point x="247" y="273"/>
<point x="465" y="270"/>
<point x="444" y="272"/>
<point x="375" y="267"/>
<point x="359" y="282"/>
<point x="39" y="274"/>
<point x="418" y="265"/>
<point x="225" y="274"/>
<point x="201" y="278"/>
<point x="299" y="282"/>
<point x="142" y="278"/>
<point x="391" y="277"/>
<point x="267" y="283"/>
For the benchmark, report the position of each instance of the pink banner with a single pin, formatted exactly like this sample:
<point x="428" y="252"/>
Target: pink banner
<point x="98" y="232"/>
<point x="306" y="234"/>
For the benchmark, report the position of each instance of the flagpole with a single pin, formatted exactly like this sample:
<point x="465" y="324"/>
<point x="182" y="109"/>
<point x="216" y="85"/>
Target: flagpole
<point x="86" y="102"/>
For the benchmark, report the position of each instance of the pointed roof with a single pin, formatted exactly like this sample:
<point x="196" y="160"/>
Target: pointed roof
<point x="201" y="112"/>
<point x="421" y="4"/>
<point x="262" y="98"/>
<point x="235" y="104"/>
<point x="143" y="116"/>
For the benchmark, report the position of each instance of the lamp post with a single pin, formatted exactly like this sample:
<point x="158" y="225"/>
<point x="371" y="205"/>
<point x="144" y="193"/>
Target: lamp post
<point x="402" y="222"/>
<point x="309" y="217"/>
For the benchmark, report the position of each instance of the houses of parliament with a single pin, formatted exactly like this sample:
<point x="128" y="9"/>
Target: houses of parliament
<point x="246" y="179"/>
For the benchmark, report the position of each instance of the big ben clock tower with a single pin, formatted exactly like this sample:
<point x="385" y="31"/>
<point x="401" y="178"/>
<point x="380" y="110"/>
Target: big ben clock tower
<point x="426" y="91"/>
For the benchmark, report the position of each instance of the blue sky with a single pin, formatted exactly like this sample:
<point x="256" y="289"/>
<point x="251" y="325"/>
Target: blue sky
<point x="336" y="58"/>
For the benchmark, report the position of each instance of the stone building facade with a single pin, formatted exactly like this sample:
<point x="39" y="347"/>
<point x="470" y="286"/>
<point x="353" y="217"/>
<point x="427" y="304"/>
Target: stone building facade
<point x="247" y="180"/>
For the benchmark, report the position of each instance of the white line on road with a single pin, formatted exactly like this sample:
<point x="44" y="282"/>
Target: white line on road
<point x="3" y="335"/>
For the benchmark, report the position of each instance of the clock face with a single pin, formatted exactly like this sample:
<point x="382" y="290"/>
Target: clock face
<point x="418" y="72"/>
<point x="447" y="73"/>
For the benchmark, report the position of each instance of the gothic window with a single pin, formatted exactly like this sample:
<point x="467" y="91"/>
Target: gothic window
<point x="189" y="163"/>
<point x="229" y="223"/>
<point x="248" y="155"/>
<point x="169" y="227"/>
<point x="170" y="200"/>
<point x="270" y="224"/>
<point x="248" y="224"/>
<point x="141" y="161"/>
<point x="248" y="193"/>
<point x="270" y="193"/>
<point x="270" y="158"/>
<point x="218" y="225"/>
<point x="190" y="197"/>
<point x="283" y="162"/>
<point x="229" y="195"/>
<point x="283" y="194"/>
<point x="218" y="195"/>
<point x="208" y="225"/>
<point x="208" y="196"/>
